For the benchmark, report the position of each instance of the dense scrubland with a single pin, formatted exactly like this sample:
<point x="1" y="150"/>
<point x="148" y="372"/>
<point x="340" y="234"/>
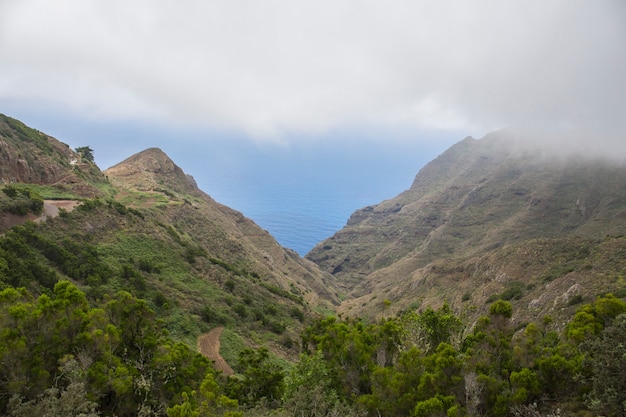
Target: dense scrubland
<point x="64" y="355"/>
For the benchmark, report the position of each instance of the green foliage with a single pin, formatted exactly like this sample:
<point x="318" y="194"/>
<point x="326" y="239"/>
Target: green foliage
<point x="606" y="361"/>
<point x="309" y="390"/>
<point x="283" y="293"/>
<point x="71" y="401"/>
<point x="21" y="201"/>
<point x="296" y="313"/>
<point x="558" y="270"/>
<point x="591" y="319"/>
<point x="86" y="153"/>
<point x="514" y="291"/>
<point x="55" y="348"/>
<point x="417" y="383"/>
<point x="262" y="379"/>
<point x="59" y="353"/>
<point x="502" y="309"/>
<point x="208" y="400"/>
<point x="576" y="299"/>
<point x="436" y="406"/>
<point x="352" y="349"/>
<point x="31" y="257"/>
<point x="10" y="191"/>
<point x="430" y="328"/>
<point x="25" y="133"/>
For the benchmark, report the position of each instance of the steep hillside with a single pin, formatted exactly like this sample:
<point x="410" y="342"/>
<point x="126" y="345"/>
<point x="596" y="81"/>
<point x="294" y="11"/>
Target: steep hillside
<point x="105" y="301"/>
<point x="152" y="232"/>
<point x="479" y="197"/>
<point x="32" y="157"/>
<point x="151" y="180"/>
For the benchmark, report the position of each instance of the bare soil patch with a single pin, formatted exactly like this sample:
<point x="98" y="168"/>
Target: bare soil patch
<point x="51" y="207"/>
<point x="209" y="346"/>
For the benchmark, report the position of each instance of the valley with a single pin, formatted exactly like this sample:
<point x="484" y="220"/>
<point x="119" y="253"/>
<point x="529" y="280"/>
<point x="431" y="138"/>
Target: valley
<point x="505" y="263"/>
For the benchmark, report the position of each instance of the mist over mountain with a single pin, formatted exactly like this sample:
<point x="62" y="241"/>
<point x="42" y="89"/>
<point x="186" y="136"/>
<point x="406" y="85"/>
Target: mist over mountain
<point x="479" y="197"/>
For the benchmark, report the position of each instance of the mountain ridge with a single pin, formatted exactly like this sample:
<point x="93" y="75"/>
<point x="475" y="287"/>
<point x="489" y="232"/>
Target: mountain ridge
<point x="148" y="229"/>
<point x="477" y="197"/>
<point x="96" y="301"/>
<point x="468" y="207"/>
<point x="153" y="171"/>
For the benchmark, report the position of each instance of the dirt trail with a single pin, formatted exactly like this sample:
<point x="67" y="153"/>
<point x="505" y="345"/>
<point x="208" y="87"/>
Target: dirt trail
<point x="51" y="208"/>
<point x="209" y="346"/>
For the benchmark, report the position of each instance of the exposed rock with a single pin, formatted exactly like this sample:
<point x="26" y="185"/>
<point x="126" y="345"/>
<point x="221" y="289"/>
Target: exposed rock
<point x="29" y="156"/>
<point x="479" y="196"/>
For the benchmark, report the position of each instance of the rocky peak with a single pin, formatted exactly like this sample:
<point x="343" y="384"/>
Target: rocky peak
<point x="152" y="170"/>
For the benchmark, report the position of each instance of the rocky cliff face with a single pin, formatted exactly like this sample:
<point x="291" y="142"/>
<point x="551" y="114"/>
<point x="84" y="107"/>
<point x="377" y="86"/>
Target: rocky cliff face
<point x="29" y="156"/>
<point x="477" y="197"/>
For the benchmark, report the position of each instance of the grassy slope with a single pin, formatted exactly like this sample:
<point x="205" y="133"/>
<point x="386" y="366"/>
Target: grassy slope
<point x="199" y="264"/>
<point x="191" y="290"/>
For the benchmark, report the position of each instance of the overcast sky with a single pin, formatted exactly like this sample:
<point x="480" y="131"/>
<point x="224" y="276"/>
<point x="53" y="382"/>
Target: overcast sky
<point x="280" y="71"/>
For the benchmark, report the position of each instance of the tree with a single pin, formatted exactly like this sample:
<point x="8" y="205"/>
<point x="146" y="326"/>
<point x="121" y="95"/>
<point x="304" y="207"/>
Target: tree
<point x="395" y="389"/>
<point x="590" y="319"/>
<point x="60" y="355"/>
<point x="54" y="402"/>
<point x="309" y="390"/>
<point x="489" y="354"/>
<point x="85" y="153"/>
<point x="351" y="349"/>
<point x="430" y="328"/>
<point x="262" y="379"/>
<point x="607" y="360"/>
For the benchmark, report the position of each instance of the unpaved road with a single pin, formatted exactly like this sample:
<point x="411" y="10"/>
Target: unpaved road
<point x="209" y="346"/>
<point x="51" y="208"/>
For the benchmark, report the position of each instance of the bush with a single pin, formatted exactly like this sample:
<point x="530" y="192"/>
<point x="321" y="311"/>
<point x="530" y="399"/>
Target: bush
<point x="297" y="314"/>
<point x="10" y="191"/>
<point x="241" y="310"/>
<point x="514" y="292"/>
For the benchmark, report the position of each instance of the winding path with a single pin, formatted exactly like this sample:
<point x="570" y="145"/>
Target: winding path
<point x="209" y="346"/>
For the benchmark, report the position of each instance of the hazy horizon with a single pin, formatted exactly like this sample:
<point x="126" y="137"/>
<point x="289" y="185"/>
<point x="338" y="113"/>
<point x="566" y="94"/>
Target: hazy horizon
<point x="220" y="85"/>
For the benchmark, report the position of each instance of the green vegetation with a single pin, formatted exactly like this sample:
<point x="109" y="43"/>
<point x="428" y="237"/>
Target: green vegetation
<point x="86" y="153"/>
<point x="114" y="353"/>
<point x="63" y="354"/>
<point x="106" y="247"/>
<point x="392" y="368"/>
<point x="11" y="127"/>
<point x="110" y="359"/>
<point x="20" y="201"/>
<point x="101" y="307"/>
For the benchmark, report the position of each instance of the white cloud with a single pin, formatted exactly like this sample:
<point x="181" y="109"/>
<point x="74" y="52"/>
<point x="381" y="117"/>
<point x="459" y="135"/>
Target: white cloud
<point x="273" y="69"/>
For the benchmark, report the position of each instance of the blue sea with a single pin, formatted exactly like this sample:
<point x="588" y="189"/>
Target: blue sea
<point x="302" y="196"/>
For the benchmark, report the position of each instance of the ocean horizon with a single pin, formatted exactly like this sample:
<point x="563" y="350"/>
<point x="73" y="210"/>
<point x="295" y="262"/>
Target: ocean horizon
<point x="302" y="197"/>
